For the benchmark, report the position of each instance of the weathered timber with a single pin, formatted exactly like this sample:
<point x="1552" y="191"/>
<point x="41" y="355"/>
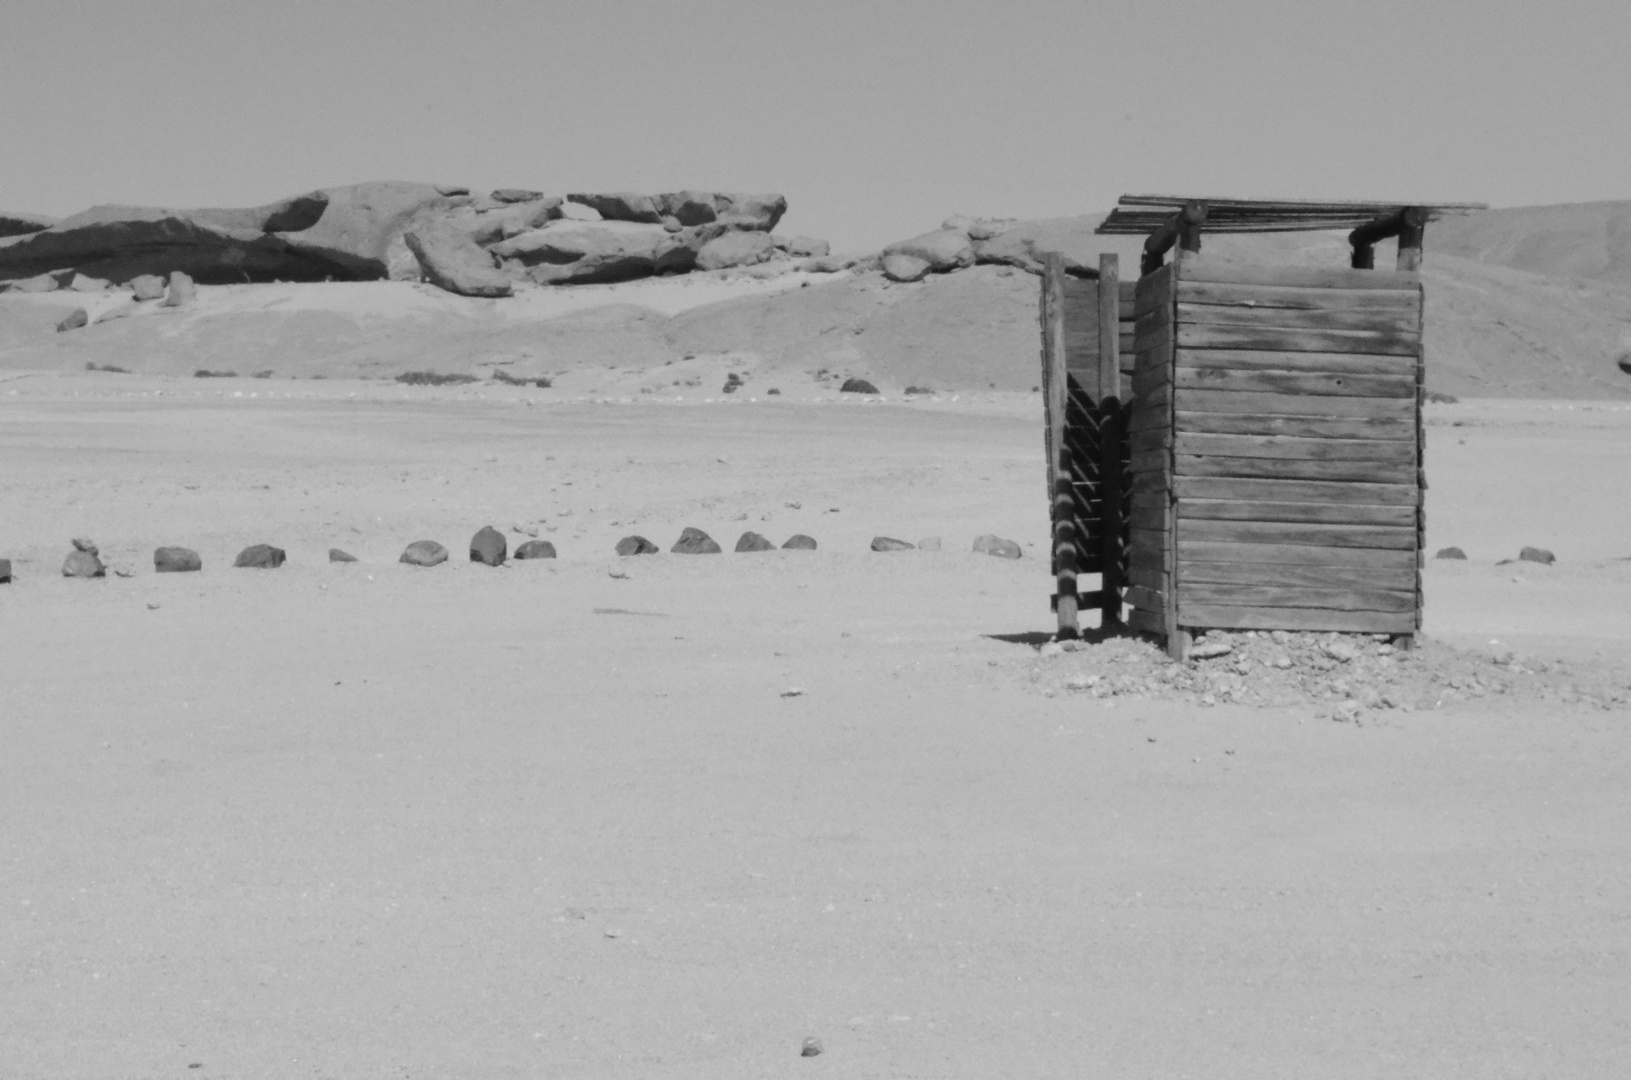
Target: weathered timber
<point x="1155" y="517"/>
<point x="1146" y="622"/>
<point x="1291" y="339"/>
<point x="1158" y="332"/>
<point x="1149" y="549"/>
<point x="1279" y="573"/>
<point x="1152" y="498"/>
<point x="1310" y="363"/>
<point x="1109" y="311"/>
<point x="1322" y="427"/>
<point x="1326" y="513"/>
<point x="1265" y="297"/>
<point x="1390" y="451"/>
<point x="1151" y="438"/>
<point x="1198" y="551"/>
<point x="1295" y="383"/>
<point x="1292" y="534"/>
<point x="1153" y="291"/>
<point x="1379" y="322"/>
<point x="1226" y="617"/>
<point x="1297" y="596"/>
<point x="1363" y="207"/>
<point x="1313" y="403"/>
<point x="1373" y="472"/>
<point x="1151" y="461"/>
<point x="1201" y="268"/>
<point x="1054" y="389"/>
<point x="1212" y="487"/>
<point x="1146" y="419"/>
<point x="1149" y="379"/>
<point x="1148" y="599"/>
<point x="1154" y="580"/>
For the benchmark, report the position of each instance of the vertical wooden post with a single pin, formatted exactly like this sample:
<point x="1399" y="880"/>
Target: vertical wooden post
<point x="1178" y="639"/>
<point x="1060" y="473"/>
<point x="1412" y="228"/>
<point x="1112" y="437"/>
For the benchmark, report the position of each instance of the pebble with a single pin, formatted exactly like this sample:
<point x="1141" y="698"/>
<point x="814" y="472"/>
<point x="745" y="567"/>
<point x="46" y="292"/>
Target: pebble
<point x="1450" y="553"/>
<point x="260" y="557"/>
<point x="535" y="549"/>
<point x="636" y="545"/>
<point x="1051" y="650"/>
<point x="424" y="553"/>
<point x="1206" y="650"/>
<point x="1537" y="555"/>
<point x="176" y="560"/>
<point x="811" y="1047"/>
<point x="929" y="543"/>
<point x="694" y="541"/>
<point x="799" y="542"/>
<point x="336" y="555"/>
<point x="752" y="541"/>
<point x="488" y="547"/>
<point x="991" y="544"/>
<point x="1340" y="650"/>
<point x="889" y="543"/>
<point x="83" y="564"/>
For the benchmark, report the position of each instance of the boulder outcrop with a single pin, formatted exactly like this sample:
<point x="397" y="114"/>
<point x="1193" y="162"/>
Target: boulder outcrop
<point x="452" y="261"/>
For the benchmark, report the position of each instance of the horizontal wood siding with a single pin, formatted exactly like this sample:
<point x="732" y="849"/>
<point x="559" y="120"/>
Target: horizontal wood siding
<point x="1295" y="445"/>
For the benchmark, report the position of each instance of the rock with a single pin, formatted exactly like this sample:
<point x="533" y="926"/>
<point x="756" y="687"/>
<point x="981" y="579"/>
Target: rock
<point x="1346" y="712"/>
<point x="759" y="213"/>
<point x="82" y="563"/>
<point x="1027" y="244"/>
<point x="799" y="542"/>
<point x="622" y="206"/>
<point x="688" y="207"/>
<point x="1209" y="650"/>
<point x="857" y="386"/>
<point x="424" y="553"/>
<point x="499" y="222"/>
<point x="336" y="555"/>
<point x="516" y="195"/>
<point x="574" y="211"/>
<point x="76" y="319"/>
<point x="735" y="249"/>
<point x="488" y="546"/>
<point x="37" y="284"/>
<point x="694" y="541"/>
<point x="454" y="262"/>
<point x="832" y="264"/>
<point x="636" y="545"/>
<point x="176" y="560"/>
<point x="260" y="557"/>
<point x="1340" y="650"/>
<point x="147" y="287"/>
<point x="889" y="543"/>
<point x="752" y="541"/>
<point x="812" y="1045"/>
<point x="181" y="292"/>
<point x="82" y="544"/>
<point x="943" y="250"/>
<point x="535" y="549"/>
<point x="1537" y="555"/>
<point x="808" y="247"/>
<point x="929" y="543"/>
<point x="1450" y="553"/>
<point x="17" y="224"/>
<point x="897" y="267"/>
<point x="990" y="544"/>
<point x="81" y="283"/>
<point x="5" y="571"/>
<point x="958" y="223"/>
<point x="570" y="252"/>
<point x="1624" y="362"/>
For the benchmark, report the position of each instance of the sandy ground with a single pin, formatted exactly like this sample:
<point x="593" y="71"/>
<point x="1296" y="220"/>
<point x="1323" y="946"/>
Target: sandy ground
<point x="562" y="819"/>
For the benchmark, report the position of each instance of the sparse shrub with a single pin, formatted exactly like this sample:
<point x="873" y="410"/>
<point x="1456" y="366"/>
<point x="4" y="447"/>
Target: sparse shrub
<point x="1441" y="399"/>
<point x="115" y="368"/>
<point x="267" y="374"/>
<point x="542" y="382"/>
<point x="918" y="390"/>
<point x="206" y="373"/>
<point x="433" y="378"/>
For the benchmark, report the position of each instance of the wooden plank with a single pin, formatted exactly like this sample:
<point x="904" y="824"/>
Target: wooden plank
<point x="1153" y="336"/>
<point x="1296" y="596"/>
<point x="1296" y="383"/>
<point x="1148" y="622"/>
<point x="1328" y="363"/>
<point x="1149" y="550"/>
<point x="1249" y="402"/>
<point x="1155" y="438"/>
<point x="1193" y="551"/>
<point x="1151" y="481"/>
<point x="1321" y="513"/>
<point x="1148" y="599"/>
<point x="1143" y="419"/>
<point x="1149" y="379"/>
<point x="1204" y="268"/>
<point x="1156" y="580"/>
<point x="1109" y="300"/>
<point x="1151" y="461"/>
<point x="1307" y="491"/>
<point x="1323" y="427"/>
<point x="1390" y="451"/>
<point x="1292" y="339"/>
<point x="1155" y="517"/>
<point x="1378" y="322"/>
<point x="1113" y="433"/>
<point x="1317" y="577"/>
<point x="1153" y="290"/>
<point x="1051" y="316"/>
<point x="1371" y="472"/>
<point x="1226" y="617"/>
<point x="1081" y="327"/>
<point x="1152" y="499"/>
<point x="1298" y="299"/>
<point x="1158" y="400"/>
<point x="1292" y="534"/>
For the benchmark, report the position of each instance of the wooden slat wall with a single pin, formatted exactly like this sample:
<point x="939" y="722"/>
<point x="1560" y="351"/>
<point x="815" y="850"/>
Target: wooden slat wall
<point x="1081" y="299"/>
<point x="1295" y="444"/>
<point x="1150" y="311"/>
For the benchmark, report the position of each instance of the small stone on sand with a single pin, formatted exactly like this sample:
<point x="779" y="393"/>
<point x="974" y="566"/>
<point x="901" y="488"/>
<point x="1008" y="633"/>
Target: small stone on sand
<point x="424" y="553"/>
<point x="260" y="557"/>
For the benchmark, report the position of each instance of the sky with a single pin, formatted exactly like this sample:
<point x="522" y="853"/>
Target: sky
<point x="875" y="118"/>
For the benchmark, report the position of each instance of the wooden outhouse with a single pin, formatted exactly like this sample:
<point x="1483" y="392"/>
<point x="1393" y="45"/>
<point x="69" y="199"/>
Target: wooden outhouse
<point x="1262" y="467"/>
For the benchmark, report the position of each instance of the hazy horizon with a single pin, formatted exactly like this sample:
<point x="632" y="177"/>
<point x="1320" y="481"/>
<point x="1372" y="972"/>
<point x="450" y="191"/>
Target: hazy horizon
<point x="875" y="120"/>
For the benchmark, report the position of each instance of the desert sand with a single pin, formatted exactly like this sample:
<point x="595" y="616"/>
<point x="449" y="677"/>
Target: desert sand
<point x="672" y="816"/>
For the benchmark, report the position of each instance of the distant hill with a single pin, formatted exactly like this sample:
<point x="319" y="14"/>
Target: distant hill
<point x="1534" y="302"/>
